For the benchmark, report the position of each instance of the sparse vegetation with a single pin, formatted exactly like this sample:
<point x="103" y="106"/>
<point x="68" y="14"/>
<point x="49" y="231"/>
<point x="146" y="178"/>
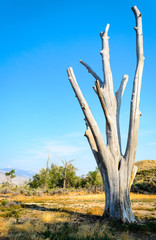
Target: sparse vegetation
<point x="11" y="209"/>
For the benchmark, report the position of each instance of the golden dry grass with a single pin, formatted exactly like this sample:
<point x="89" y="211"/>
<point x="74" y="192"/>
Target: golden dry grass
<point x="146" y="164"/>
<point x="142" y="197"/>
<point x="50" y="213"/>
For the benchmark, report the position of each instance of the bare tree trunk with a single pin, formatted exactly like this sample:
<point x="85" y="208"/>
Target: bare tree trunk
<point x="47" y="166"/>
<point x="65" y="173"/>
<point x="117" y="169"/>
<point x="47" y="173"/>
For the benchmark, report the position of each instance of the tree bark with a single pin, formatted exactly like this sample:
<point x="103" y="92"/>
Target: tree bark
<point x="117" y="169"/>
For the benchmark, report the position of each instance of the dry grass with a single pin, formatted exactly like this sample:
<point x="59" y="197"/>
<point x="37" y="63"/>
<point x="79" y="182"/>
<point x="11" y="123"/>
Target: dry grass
<point x="145" y="164"/>
<point x="142" y="197"/>
<point x="4" y="227"/>
<point x="55" y="217"/>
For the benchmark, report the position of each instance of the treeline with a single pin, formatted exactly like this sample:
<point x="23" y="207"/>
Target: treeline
<point x="64" y="177"/>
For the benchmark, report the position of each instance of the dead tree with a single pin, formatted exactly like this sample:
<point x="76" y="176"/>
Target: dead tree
<point x="117" y="169"/>
<point x="66" y="168"/>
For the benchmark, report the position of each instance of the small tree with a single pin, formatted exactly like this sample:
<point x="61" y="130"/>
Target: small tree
<point x="56" y="174"/>
<point x="69" y="173"/>
<point x="39" y="179"/>
<point x="94" y="178"/>
<point x="117" y="168"/>
<point x="10" y="175"/>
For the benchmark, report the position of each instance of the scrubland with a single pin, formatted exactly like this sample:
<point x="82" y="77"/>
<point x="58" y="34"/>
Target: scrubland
<point x="72" y="216"/>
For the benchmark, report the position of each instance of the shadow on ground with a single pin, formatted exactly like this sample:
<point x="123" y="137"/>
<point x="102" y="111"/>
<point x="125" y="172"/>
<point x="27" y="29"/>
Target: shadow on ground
<point x="77" y="226"/>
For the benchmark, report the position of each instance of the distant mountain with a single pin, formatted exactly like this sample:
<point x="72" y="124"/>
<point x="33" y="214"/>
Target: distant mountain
<point x="19" y="172"/>
<point x="21" y="175"/>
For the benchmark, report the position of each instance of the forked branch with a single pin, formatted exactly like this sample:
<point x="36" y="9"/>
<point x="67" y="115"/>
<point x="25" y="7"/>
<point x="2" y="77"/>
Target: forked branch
<point x="102" y="101"/>
<point x="91" y="72"/>
<point x="88" y="115"/>
<point x="88" y="134"/>
<point x="135" y="169"/>
<point x="121" y="89"/>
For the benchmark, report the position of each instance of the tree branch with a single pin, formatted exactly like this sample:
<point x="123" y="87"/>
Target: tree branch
<point x="119" y="95"/>
<point x="109" y="97"/>
<point x="134" y="111"/>
<point x="135" y="169"/>
<point x="91" y="71"/>
<point x="100" y="164"/>
<point x="121" y="89"/>
<point x="98" y="90"/>
<point x="108" y="79"/>
<point x="88" y="115"/>
<point x="88" y="134"/>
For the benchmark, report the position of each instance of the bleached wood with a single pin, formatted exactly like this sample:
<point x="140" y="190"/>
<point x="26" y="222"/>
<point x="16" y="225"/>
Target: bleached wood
<point x="91" y="71"/>
<point x="109" y="97"/>
<point x="88" y="134"/>
<point x="135" y="169"/>
<point x="99" y="93"/>
<point x="88" y="115"/>
<point x="106" y="96"/>
<point x="119" y="95"/>
<point x="135" y="99"/>
<point x="108" y="79"/>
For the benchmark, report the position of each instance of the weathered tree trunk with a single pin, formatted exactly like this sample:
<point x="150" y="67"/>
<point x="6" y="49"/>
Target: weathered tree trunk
<point x="117" y="169"/>
<point x="117" y="203"/>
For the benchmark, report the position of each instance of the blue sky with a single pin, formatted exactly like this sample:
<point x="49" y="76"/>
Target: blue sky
<point x="39" y="112"/>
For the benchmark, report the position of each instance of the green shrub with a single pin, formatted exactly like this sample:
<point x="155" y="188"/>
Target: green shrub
<point x="145" y="181"/>
<point x="4" y="202"/>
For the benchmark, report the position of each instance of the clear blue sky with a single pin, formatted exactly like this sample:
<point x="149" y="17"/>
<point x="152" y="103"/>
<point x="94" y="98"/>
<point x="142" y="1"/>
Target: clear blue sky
<point x="39" y="113"/>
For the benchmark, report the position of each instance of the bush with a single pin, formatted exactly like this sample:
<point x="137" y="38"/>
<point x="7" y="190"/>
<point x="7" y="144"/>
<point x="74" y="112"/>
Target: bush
<point x="5" y="191"/>
<point x="39" y="193"/>
<point x="145" y="182"/>
<point x="4" y="202"/>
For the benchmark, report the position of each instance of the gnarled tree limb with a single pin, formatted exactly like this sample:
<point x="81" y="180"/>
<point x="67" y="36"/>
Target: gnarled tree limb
<point x="88" y="115"/>
<point x="91" y="72"/>
<point x="88" y="134"/>
<point x="99" y="93"/>
<point x="106" y="94"/>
